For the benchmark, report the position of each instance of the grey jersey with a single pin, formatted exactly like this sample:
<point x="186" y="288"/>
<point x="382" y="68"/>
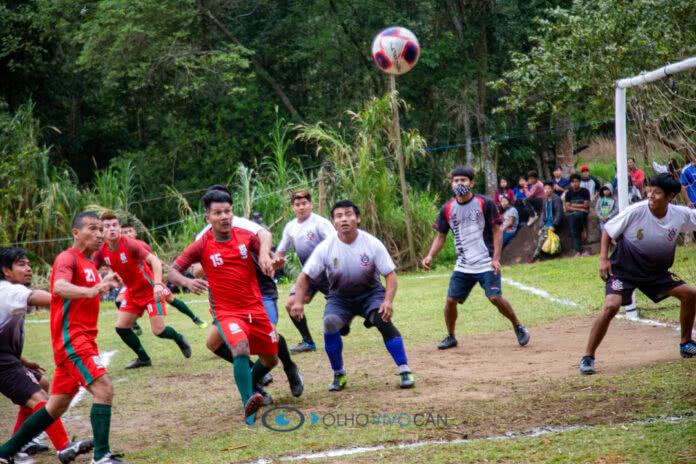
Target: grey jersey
<point x="352" y="269"/>
<point x="304" y="237"/>
<point x="13" y="307"/>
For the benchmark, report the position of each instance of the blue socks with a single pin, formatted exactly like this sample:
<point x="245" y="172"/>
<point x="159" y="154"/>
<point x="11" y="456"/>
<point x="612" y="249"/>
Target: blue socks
<point x="334" y="349"/>
<point x="396" y="349"/>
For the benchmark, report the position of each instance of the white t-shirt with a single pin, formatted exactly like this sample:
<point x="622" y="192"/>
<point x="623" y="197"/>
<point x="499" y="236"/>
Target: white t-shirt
<point x="352" y="269"/>
<point x="13" y="308"/>
<point x="306" y="236"/>
<point x="237" y="221"/>
<point x="645" y="245"/>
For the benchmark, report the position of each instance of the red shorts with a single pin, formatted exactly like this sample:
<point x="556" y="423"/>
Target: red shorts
<point x="152" y="307"/>
<point x="258" y="330"/>
<point x="78" y="370"/>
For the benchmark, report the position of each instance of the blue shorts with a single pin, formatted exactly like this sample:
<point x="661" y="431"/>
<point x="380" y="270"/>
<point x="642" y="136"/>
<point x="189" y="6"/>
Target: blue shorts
<point x="269" y="304"/>
<point x="460" y="284"/>
<point x="348" y="307"/>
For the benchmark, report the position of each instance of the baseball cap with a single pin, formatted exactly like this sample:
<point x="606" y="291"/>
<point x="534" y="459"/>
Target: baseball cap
<point x="584" y="168"/>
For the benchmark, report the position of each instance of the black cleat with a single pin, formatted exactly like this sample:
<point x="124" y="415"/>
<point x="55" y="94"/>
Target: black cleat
<point x="139" y="363"/>
<point x="267" y="379"/>
<point x="34" y="447"/>
<point x="74" y="449"/>
<point x="184" y="347"/>
<point x="109" y="459"/>
<point x="267" y="398"/>
<point x="448" y="342"/>
<point x="295" y="381"/>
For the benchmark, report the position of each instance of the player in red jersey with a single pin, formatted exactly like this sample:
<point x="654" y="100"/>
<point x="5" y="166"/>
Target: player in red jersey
<point x="75" y="291"/>
<point x="141" y="272"/>
<point x="235" y="299"/>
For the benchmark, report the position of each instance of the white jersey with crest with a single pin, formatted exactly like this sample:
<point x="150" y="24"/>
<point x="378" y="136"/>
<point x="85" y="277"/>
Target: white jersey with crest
<point x="305" y="236"/>
<point x="352" y="269"/>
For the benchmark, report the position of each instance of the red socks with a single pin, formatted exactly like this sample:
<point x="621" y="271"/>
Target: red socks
<point x="56" y="432"/>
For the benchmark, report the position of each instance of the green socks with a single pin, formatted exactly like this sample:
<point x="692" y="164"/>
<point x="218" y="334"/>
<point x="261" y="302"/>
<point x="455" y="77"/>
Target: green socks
<point x="101" y="424"/>
<point x="170" y="333"/>
<point x="258" y="372"/>
<point x="242" y="376"/>
<point x="181" y="306"/>
<point x="34" y="425"/>
<point x="133" y="342"/>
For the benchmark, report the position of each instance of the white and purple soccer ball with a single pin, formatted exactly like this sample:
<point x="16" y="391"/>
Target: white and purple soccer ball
<point x="395" y="50"/>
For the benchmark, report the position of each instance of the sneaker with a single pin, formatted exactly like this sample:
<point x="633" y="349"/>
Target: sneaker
<point x="200" y="323"/>
<point x="303" y="346"/>
<point x="407" y="380"/>
<point x="110" y="459"/>
<point x="184" y="347"/>
<point x="587" y="365"/>
<point x="588" y="253"/>
<point x="267" y="398"/>
<point x="632" y="315"/>
<point x="448" y="342"/>
<point x="267" y="379"/>
<point x="339" y="382"/>
<point x="252" y="405"/>
<point x="137" y="330"/>
<point x="522" y="335"/>
<point x="688" y="349"/>
<point x="532" y="220"/>
<point x="34" y="447"/>
<point x="139" y="363"/>
<point x="74" y="449"/>
<point x="16" y="459"/>
<point x="295" y="381"/>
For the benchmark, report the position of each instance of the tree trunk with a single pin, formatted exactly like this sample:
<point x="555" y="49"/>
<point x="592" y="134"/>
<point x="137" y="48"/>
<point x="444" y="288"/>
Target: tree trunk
<point x="482" y="55"/>
<point x="564" y="144"/>
<point x="467" y="136"/>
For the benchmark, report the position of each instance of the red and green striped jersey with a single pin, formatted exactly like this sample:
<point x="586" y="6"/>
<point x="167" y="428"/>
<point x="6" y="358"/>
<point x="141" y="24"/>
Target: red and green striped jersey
<point x="73" y="322"/>
<point x="128" y="261"/>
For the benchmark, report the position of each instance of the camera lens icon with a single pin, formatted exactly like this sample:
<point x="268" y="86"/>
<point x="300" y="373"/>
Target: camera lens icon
<point x="283" y="419"/>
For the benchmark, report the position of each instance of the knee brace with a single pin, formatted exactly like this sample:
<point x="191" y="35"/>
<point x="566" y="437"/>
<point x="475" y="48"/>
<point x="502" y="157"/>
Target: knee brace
<point x="333" y="323"/>
<point x="387" y="329"/>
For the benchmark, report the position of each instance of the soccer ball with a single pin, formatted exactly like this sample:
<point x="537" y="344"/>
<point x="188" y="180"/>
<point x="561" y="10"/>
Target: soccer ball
<point x="395" y="50"/>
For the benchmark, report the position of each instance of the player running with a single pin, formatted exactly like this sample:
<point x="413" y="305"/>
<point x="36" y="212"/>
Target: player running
<point x="235" y="299"/>
<point x="646" y="239"/>
<point x="75" y="292"/>
<point x="141" y="272"/>
<point x="304" y="234"/>
<point x="478" y="239"/>
<point x="353" y="260"/>
<point x="22" y="380"/>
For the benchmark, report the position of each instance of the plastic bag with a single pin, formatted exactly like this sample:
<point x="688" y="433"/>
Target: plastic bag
<point x="552" y="245"/>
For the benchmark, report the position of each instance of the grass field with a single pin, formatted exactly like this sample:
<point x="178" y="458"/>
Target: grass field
<point x="189" y="411"/>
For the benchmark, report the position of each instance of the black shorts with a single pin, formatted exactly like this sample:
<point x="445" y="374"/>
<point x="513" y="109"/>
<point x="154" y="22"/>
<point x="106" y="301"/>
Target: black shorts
<point x="656" y="289"/>
<point x="17" y="382"/>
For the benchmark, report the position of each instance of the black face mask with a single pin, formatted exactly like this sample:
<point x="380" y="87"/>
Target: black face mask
<point x="460" y="190"/>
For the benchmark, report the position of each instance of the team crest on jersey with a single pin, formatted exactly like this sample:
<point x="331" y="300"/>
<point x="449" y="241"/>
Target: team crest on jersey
<point x="123" y="258"/>
<point x="473" y="215"/>
<point x="243" y="251"/>
<point x="97" y="362"/>
<point x="335" y="262"/>
<point x="364" y="260"/>
<point x="617" y="285"/>
<point x="234" y="328"/>
<point x="639" y="234"/>
<point x="310" y="235"/>
<point x="671" y="235"/>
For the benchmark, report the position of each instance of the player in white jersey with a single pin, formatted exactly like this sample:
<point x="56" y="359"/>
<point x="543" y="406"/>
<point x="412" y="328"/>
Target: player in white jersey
<point x="646" y="239"/>
<point x="478" y="240"/>
<point x="353" y="261"/>
<point x="304" y="234"/>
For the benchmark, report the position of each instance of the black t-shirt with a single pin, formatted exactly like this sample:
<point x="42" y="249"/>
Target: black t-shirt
<point x="267" y="286"/>
<point x="577" y="198"/>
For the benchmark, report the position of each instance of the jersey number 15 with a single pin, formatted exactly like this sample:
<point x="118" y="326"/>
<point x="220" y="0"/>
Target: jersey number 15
<point x="216" y="259"/>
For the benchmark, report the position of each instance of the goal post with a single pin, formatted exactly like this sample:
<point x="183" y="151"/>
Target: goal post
<point x="620" y="118"/>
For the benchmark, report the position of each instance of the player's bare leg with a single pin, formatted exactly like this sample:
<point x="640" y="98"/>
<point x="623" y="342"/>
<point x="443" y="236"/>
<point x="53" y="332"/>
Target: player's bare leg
<point x="687" y="295"/>
<point x="450" y="322"/>
<point x="612" y="304"/>
<point x="506" y="310"/>
<point x="124" y="325"/>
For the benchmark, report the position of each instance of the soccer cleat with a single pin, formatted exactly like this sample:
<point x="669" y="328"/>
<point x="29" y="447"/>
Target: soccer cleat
<point x="587" y="365"/>
<point x="448" y="342"/>
<point x="137" y="330"/>
<point x="303" y="346"/>
<point x="33" y="447"/>
<point x="200" y="323"/>
<point x="139" y="363"/>
<point x="267" y="379"/>
<point x="110" y="459"/>
<point x="16" y="459"/>
<point x="74" y="449"/>
<point x="267" y="398"/>
<point x="688" y="349"/>
<point x="522" y="335"/>
<point x="295" y="381"/>
<point x="184" y="347"/>
<point x="407" y="380"/>
<point x="339" y="382"/>
<point x="252" y="405"/>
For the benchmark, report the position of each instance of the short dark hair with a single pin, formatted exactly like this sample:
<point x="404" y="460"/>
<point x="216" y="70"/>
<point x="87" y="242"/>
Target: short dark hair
<point x="9" y="256"/>
<point x="549" y="183"/>
<point x="666" y="182"/>
<point x="219" y="188"/>
<point x="631" y="158"/>
<point x="557" y="168"/>
<point x="79" y="218"/>
<point x="216" y="196"/>
<point x="533" y="174"/>
<point x="300" y="194"/>
<point x="461" y="171"/>
<point x="108" y="215"/>
<point x="604" y="187"/>
<point x="345" y="204"/>
<point x="575" y="176"/>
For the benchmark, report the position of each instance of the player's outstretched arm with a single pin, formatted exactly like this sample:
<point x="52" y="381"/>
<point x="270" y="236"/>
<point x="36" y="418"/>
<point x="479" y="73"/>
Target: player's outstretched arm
<point x="386" y="309"/>
<point x="176" y="276"/>
<point x="68" y="291"/>
<point x="39" y="298"/>
<point x="301" y="286"/>
<point x="435" y="248"/>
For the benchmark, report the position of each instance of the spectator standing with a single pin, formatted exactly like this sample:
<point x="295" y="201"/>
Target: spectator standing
<point x="511" y="220"/>
<point x="688" y="181"/>
<point x="637" y="176"/>
<point x="551" y="217"/>
<point x="589" y="183"/>
<point x="577" y="206"/>
<point x="503" y="190"/>
<point x="535" y="194"/>
<point x="606" y="207"/>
